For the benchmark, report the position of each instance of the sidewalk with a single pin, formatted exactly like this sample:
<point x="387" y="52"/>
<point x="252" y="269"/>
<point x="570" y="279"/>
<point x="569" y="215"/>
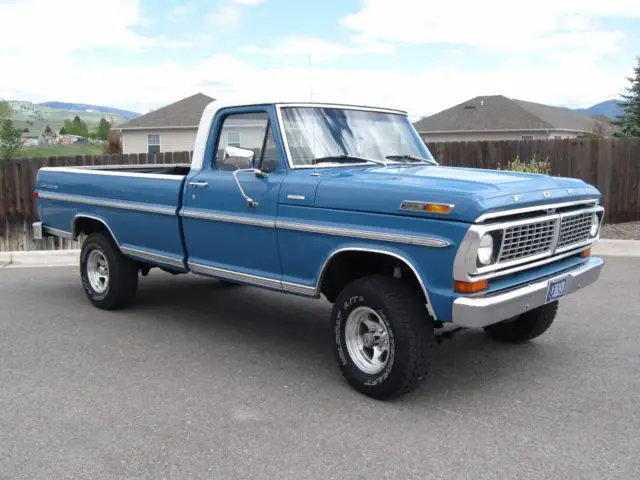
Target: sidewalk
<point x="45" y="258"/>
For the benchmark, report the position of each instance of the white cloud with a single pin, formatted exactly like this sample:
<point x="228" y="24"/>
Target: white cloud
<point x="318" y="49"/>
<point x="492" y="25"/>
<point x="225" y="16"/>
<point x="570" y="74"/>
<point x="180" y="11"/>
<point x="230" y="15"/>
<point x="31" y="24"/>
<point x="426" y="91"/>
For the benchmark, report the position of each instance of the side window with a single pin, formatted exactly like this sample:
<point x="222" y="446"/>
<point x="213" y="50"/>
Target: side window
<point x="153" y="143"/>
<point x="241" y="130"/>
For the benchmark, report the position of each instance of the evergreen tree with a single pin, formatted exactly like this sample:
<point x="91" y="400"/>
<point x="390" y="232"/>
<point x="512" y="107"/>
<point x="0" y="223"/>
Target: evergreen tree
<point x="103" y="129"/>
<point x="10" y="141"/>
<point x="629" y="121"/>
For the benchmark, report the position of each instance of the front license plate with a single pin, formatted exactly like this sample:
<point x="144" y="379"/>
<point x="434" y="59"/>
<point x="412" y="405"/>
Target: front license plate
<point x="556" y="289"/>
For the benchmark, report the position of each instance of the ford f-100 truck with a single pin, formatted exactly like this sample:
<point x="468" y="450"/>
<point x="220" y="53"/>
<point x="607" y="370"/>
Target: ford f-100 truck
<point x="344" y="202"/>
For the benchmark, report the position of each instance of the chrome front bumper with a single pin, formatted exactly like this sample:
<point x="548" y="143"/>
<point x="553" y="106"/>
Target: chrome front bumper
<point x="480" y="311"/>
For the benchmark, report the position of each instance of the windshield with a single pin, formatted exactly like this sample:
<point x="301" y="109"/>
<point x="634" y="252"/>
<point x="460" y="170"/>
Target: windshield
<point x="315" y="133"/>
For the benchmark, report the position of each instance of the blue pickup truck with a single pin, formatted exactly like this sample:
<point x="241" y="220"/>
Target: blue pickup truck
<point x="343" y="202"/>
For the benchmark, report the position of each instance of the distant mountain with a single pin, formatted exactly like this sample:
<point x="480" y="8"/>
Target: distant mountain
<point x="610" y="109"/>
<point x="83" y="107"/>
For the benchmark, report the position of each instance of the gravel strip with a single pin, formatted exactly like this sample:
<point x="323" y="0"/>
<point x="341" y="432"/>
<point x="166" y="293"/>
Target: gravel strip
<point x="621" y="231"/>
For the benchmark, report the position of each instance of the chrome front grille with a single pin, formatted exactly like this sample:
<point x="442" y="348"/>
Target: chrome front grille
<point x="527" y="240"/>
<point x="574" y="229"/>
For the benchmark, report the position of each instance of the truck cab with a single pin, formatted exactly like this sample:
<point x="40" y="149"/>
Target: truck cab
<point x="345" y="203"/>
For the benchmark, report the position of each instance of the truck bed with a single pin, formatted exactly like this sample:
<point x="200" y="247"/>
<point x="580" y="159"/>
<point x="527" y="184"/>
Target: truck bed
<point x="138" y="203"/>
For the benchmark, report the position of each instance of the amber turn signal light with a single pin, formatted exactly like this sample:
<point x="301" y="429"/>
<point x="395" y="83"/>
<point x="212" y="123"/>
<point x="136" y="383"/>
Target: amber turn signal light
<point x="586" y="253"/>
<point x="471" y="287"/>
<point x="437" y="208"/>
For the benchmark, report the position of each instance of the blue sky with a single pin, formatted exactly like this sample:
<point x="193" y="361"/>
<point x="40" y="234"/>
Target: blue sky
<point x="419" y="55"/>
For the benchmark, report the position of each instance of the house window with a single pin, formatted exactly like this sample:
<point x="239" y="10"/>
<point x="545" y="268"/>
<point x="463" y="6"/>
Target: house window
<point x="527" y="137"/>
<point x="233" y="139"/>
<point x="153" y="143"/>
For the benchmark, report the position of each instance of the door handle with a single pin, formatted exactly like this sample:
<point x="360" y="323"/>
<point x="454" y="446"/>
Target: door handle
<point x="198" y="184"/>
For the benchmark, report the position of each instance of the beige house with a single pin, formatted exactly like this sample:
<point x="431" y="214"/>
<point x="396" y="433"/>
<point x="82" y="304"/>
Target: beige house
<point x="168" y="129"/>
<point x="173" y="128"/>
<point x="497" y="117"/>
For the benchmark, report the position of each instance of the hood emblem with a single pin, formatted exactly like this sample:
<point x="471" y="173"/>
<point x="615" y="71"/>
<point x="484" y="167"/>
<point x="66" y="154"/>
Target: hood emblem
<point x="546" y="194"/>
<point x="516" y="198"/>
<point x="569" y="191"/>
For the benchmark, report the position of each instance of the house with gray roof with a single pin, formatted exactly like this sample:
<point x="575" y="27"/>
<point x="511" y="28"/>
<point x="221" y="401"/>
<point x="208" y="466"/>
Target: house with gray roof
<point x="497" y="117"/>
<point x="171" y="128"/>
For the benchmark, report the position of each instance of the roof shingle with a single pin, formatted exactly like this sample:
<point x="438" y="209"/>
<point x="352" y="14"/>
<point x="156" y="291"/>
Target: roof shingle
<point x="183" y="113"/>
<point x="497" y="112"/>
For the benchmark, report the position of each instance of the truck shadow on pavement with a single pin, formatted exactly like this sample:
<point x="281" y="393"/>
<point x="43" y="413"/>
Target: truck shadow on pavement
<point x="298" y="330"/>
<point x="294" y="334"/>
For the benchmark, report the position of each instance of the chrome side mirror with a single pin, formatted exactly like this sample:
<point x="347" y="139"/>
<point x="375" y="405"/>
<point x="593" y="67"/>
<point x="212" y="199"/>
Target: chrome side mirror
<point x="241" y="157"/>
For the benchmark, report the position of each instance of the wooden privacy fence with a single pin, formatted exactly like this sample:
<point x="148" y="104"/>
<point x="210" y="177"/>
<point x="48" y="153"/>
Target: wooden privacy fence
<point x="18" y="206"/>
<point x="612" y="165"/>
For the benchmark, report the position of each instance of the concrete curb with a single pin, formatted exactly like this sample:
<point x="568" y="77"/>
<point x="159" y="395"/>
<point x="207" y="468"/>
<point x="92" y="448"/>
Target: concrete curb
<point x="36" y="258"/>
<point x="618" y="248"/>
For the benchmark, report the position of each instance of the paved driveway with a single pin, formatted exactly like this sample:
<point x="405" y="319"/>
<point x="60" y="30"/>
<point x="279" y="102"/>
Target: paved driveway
<point x="205" y="381"/>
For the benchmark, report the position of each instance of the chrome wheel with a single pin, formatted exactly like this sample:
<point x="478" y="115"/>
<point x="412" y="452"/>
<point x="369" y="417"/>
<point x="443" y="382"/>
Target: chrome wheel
<point x="98" y="271"/>
<point x="367" y="340"/>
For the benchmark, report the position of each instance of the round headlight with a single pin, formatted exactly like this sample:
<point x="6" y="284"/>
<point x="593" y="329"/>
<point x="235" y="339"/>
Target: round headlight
<point x="595" y="225"/>
<point x="485" y="250"/>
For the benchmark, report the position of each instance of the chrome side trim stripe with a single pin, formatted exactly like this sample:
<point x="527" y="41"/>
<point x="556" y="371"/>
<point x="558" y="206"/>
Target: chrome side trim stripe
<point x="223" y="217"/>
<point x="57" y="233"/>
<point x="364" y="234"/>
<point x="299" y="289"/>
<point x="270" y="283"/>
<point x="103" y="202"/>
<point x="153" y="257"/>
<point x="321" y="229"/>
<point x="237" y="276"/>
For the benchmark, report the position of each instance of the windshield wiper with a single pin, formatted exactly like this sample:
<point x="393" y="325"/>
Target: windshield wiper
<point x="411" y="158"/>
<point x="346" y="159"/>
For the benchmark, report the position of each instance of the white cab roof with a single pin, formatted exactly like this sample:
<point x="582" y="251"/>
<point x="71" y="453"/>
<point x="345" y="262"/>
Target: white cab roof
<point x="212" y="108"/>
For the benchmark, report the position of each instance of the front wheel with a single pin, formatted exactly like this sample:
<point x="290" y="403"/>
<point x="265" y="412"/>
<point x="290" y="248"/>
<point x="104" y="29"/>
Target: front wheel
<point x="109" y="279"/>
<point x="524" y="327"/>
<point x="383" y="336"/>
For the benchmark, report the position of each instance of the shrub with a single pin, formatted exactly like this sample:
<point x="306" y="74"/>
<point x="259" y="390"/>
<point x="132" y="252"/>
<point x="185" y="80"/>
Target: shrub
<point x="113" y="145"/>
<point x="533" y="166"/>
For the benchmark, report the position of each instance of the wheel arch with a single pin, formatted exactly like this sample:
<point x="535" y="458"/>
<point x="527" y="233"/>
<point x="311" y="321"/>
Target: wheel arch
<point x="84" y="223"/>
<point x="341" y="255"/>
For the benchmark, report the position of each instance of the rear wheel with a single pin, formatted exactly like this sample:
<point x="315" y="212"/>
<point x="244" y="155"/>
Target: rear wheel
<point x="524" y="327"/>
<point x="109" y="279"/>
<point x="383" y="336"/>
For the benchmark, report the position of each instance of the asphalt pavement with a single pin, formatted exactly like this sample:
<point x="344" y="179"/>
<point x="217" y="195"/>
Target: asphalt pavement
<point x="201" y="380"/>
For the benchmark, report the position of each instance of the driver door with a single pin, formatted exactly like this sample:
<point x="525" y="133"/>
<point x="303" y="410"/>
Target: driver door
<point x="228" y="236"/>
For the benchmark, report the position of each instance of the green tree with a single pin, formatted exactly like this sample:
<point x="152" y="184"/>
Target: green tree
<point x="5" y="109"/>
<point x="63" y="131"/>
<point x="76" y="127"/>
<point x="103" y="129"/>
<point x="629" y="121"/>
<point x="9" y="139"/>
<point x="48" y="129"/>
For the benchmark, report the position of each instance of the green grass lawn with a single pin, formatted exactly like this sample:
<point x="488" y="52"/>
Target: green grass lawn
<point x="61" y="150"/>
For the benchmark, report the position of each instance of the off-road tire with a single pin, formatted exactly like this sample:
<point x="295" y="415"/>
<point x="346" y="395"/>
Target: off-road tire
<point x="526" y="326"/>
<point x="411" y="335"/>
<point x="123" y="273"/>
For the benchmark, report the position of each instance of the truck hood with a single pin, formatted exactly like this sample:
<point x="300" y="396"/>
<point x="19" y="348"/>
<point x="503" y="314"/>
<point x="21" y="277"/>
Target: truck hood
<point x="473" y="191"/>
